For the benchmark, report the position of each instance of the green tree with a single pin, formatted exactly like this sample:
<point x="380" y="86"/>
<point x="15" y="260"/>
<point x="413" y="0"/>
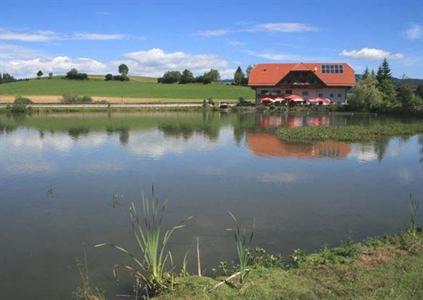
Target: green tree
<point x="171" y="77"/>
<point x="419" y="90"/>
<point x="186" y="77"/>
<point x="50" y="75"/>
<point x="108" y="77"/>
<point x="39" y="74"/>
<point x="408" y="100"/>
<point x="239" y="76"/>
<point x="248" y="71"/>
<point x="366" y="73"/>
<point x="384" y="71"/>
<point x="366" y="96"/>
<point x="212" y="75"/>
<point x="387" y="87"/>
<point x="123" y="70"/>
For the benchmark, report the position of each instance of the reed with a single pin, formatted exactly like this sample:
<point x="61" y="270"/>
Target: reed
<point x="243" y="241"/>
<point x="414" y="216"/>
<point x="149" y="268"/>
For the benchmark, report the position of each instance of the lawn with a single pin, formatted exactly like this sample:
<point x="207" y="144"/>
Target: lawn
<point x="138" y="87"/>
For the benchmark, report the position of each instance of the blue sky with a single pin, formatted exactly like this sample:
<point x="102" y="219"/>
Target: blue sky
<point x="155" y="36"/>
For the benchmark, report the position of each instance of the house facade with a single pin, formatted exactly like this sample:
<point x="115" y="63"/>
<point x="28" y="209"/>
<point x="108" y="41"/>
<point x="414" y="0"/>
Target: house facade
<point x="308" y="80"/>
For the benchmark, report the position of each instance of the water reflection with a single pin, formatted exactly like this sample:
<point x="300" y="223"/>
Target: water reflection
<point x="205" y="164"/>
<point x="266" y="144"/>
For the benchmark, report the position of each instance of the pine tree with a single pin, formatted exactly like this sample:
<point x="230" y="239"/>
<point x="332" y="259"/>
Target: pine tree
<point x="366" y="73"/>
<point x="239" y="76"/>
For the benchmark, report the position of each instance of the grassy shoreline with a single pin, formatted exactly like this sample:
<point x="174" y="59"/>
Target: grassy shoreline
<point x="350" y="133"/>
<point x="383" y="268"/>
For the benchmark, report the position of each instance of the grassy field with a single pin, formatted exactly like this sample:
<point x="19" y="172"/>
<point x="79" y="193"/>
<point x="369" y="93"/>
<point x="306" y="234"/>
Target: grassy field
<point x="138" y="87"/>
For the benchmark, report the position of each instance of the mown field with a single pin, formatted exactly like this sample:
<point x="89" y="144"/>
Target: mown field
<point x="138" y="87"/>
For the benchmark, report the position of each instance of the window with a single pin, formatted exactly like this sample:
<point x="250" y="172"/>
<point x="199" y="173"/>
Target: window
<point x="288" y="92"/>
<point x="263" y="92"/>
<point x="320" y="95"/>
<point x="331" y="95"/>
<point x="332" y="68"/>
<point x="305" y="93"/>
<point x="339" y="95"/>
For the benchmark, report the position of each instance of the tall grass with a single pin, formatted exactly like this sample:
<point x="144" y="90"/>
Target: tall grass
<point x="149" y="268"/>
<point x="414" y="216"/>
<point x="243" y="241"/>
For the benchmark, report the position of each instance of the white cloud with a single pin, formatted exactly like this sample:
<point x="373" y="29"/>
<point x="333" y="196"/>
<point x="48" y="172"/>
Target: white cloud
<point x="283" y="27"/>
<point x="35" y="36"/>
<point x="25" y="62"/>
<point x="415" y="32"/>
<point x="57" y="64"/>
<point x="48" y="36"/>
<point x="212" y="33"/>
<point x="87" y="36"/>
<point x="154" y="62"/>
<point x="273" y="56"/>
<point x="235" y="43"/>
<point x="371" y="53"/>
<point x="17" y="52"/>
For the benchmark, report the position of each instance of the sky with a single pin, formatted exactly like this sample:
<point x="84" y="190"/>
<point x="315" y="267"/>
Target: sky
<point x="152" y="37"/>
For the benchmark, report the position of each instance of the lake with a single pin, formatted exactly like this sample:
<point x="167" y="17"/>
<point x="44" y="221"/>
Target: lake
<point x="67" y="180"/>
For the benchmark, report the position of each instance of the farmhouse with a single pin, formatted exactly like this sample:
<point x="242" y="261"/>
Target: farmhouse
<point x="307" y="80"/>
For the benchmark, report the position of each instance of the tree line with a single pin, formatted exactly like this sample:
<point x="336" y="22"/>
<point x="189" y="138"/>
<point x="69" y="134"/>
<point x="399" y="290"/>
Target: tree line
<point x="188" y="77"/>
<point x="376" y="92"/>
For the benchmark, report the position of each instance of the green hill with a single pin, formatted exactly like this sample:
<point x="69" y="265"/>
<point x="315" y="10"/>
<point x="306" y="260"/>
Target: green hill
<point x="137" y="87"/>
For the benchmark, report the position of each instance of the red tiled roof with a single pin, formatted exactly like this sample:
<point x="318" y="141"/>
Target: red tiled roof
<point x="271" y="74"/>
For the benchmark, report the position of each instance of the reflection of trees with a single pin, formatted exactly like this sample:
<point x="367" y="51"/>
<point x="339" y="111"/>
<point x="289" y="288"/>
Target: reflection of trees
<point x="122" y="131"/>
<point x="420" y="140"/>
<point x="242" y="124"/>
<point x="381" y="145"/>
<point x="76" y="132"/>
<point x="186" y="130"/>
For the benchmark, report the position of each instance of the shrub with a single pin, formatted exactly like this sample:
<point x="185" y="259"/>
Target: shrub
<point x="22" y="100"/>
<point x="74" y="74"/>
<point x="72" y="99"/>
<point x="171" y="77"/>
<point x="108" y="77"/>
<point x="20" y="105"/>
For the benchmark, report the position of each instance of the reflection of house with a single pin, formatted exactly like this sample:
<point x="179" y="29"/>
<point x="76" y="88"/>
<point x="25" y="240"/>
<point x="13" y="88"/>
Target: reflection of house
<point x="266" y="144"/>
<point x="309" y="80"/>
<point x="293" y="121"/>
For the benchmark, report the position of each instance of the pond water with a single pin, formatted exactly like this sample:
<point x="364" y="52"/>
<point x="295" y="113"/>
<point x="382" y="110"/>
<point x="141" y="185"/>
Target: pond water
<point x="59" y="172"/>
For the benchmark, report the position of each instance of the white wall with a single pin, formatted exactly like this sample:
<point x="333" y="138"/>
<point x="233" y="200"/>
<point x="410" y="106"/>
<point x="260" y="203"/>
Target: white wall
<point x="327" y="92"/>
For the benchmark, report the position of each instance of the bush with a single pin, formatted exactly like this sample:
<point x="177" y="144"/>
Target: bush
<point x="121" y="78"/>
<point x="74" y="74"/>
<point x="108" y="77"/>
<point x="170" y="77"/>
<point x="20" y="105"/>
<point x="71" y="99"/>
<point x="22" y="100"/>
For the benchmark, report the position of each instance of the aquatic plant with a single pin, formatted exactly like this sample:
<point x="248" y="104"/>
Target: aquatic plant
<point x="85" y="291"/>
<point x="243" y="241"/>
<point x="151" y="241"/>
<point x="350" y="133"/>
